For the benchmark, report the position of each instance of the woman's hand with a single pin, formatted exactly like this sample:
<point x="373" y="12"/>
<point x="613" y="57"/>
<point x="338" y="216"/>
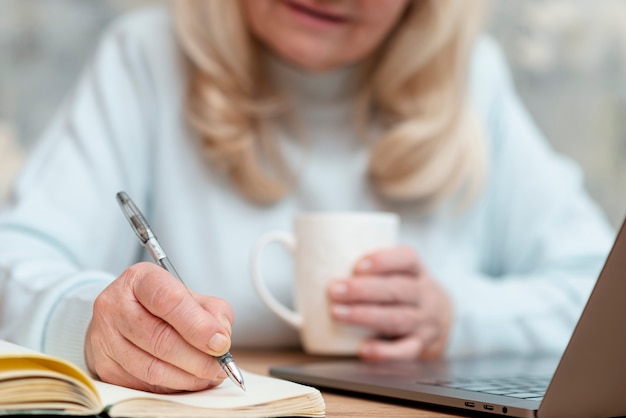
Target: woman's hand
<point x="149" y="332"/>
<point x="393" y="294"/>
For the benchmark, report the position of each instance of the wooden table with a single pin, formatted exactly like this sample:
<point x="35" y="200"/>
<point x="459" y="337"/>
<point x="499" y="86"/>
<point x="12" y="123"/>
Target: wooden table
<point x="337" y="405"/>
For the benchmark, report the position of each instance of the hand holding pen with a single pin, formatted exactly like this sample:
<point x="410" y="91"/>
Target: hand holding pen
<point x="148" y="239"/>
<point x="149" y="332"/>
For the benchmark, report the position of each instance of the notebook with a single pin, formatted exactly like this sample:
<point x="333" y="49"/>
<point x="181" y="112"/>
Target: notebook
<point x="32" y="383"/>
<point x="589" y="380"/>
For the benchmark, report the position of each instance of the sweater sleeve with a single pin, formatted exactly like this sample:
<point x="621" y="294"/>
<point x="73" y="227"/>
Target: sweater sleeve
<point x="62" y="237"/>
<point x="545" y="241"/>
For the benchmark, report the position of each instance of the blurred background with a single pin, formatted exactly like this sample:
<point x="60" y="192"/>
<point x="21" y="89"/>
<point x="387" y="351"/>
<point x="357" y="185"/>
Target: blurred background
<point x="568" y="59"/>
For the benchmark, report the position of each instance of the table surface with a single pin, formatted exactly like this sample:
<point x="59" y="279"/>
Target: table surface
<point x="337" y="405"/>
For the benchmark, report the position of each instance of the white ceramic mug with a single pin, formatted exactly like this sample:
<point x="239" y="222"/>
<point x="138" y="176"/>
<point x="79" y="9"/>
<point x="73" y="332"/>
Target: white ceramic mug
<point x="325" y="246"/>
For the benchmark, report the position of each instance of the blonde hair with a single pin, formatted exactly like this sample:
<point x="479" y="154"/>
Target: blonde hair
<point x="416" y="85"/>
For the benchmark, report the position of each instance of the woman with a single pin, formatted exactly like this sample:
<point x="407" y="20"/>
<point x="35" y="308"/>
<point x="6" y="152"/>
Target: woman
<point x="223" y="120"/>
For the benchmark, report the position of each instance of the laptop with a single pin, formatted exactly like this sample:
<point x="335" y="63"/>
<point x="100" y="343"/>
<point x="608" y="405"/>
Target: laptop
<point x="588" y="380"/>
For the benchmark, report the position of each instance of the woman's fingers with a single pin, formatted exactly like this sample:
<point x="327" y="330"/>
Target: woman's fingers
<point x="134" y="367"/>
<point x="160" y="340"/>
<point x="171" y="301"/>
<point x="376" y="289"/>
<point x="392" y="294"/>
<point x="149" y="332"/>
<point x="406" y="348"/>
<point x="401" y="259"/>
<point x="385" y="320"/>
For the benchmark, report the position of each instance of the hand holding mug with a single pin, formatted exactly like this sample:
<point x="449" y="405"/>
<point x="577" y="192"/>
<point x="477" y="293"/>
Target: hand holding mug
<point x="392" y="293"/>
<point x="324" y="246"/>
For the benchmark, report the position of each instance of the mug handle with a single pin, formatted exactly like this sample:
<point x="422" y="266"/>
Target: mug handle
<point x="288" y="240"/>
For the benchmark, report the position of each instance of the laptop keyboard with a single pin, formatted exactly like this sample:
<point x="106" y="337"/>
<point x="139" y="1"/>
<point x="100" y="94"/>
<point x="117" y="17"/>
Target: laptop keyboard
<point x="523" y="387"/>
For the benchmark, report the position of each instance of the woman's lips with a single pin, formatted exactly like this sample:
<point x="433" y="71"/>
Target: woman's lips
<point x="315" y="14"/>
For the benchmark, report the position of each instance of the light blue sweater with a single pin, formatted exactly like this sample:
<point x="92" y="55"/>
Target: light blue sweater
<point x="518" y="264"/>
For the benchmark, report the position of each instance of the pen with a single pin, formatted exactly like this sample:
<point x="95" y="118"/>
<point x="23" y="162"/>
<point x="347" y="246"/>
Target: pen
<point x="149" y="241"/>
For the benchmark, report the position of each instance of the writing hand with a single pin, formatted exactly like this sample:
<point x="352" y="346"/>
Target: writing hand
<point x="149" y="332"/>
<point x="392" y="293"/>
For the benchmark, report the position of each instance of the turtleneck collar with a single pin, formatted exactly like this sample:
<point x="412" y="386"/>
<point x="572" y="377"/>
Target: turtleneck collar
<point x="334" y="86"/>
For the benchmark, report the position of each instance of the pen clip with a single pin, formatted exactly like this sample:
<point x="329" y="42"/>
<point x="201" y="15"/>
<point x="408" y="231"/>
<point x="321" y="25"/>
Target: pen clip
<point x="135" y="218"/>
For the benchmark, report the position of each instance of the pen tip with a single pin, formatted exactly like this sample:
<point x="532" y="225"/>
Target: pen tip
<point x="243" y="387"/>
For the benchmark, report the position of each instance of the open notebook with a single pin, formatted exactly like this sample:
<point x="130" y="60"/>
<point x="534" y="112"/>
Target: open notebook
<point x="34" y="383"/>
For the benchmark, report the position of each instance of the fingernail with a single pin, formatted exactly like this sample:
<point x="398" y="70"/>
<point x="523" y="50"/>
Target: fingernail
<point x="364" y="265"/>
<point x="341" y="311"/>
<point x="219" y="343"/>
<point x="226" y="324"/>
<point x="339" y="289"/>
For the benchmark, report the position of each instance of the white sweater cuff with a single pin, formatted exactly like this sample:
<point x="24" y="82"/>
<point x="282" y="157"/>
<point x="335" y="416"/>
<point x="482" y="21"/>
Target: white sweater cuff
<point x="66" y="327"/>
